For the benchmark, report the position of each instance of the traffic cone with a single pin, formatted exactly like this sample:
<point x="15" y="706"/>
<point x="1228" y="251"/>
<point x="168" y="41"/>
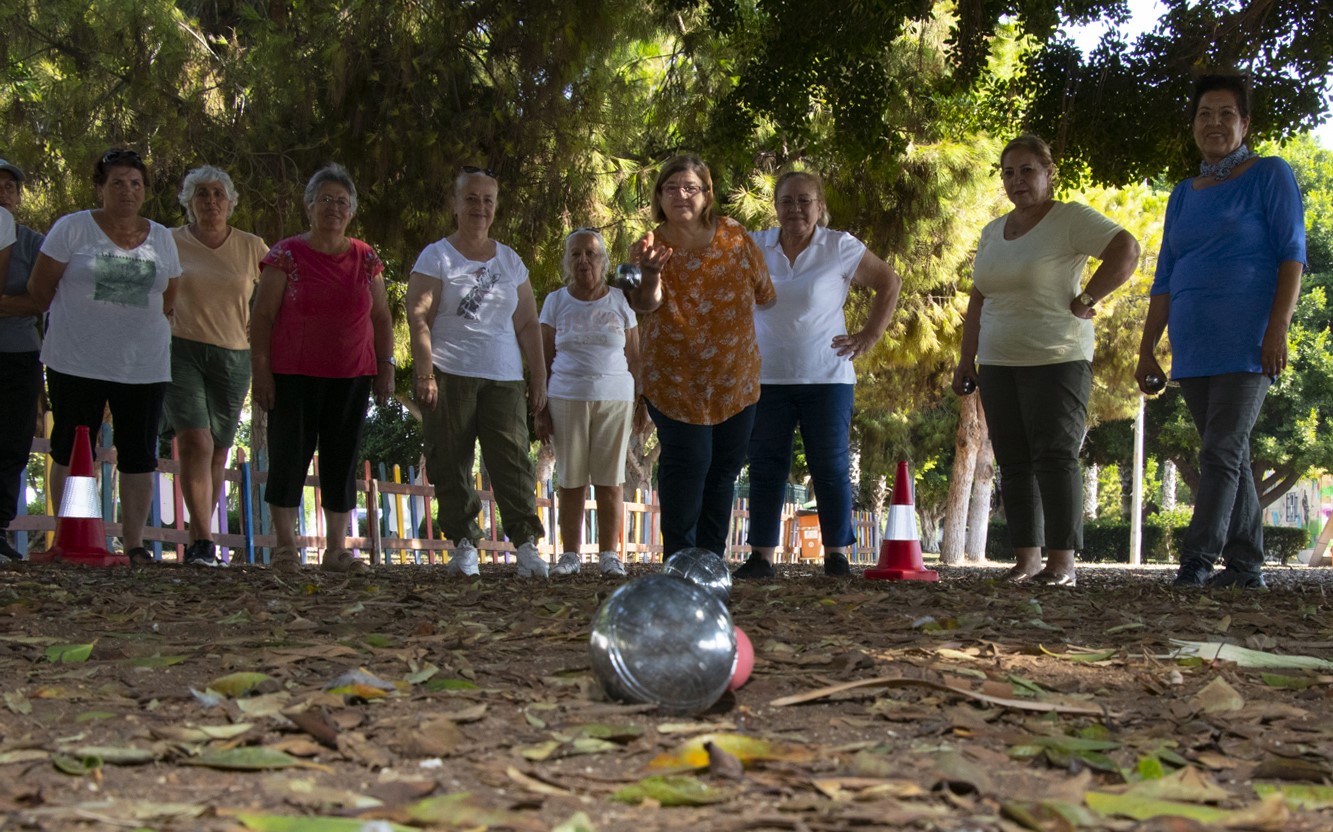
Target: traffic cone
<point x="900" y="551"/>
<point x="80" y="535"/>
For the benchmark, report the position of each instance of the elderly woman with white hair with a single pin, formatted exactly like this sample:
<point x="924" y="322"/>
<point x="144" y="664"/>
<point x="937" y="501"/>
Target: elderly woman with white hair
<point x="321" y="338"/>
<point x="592" y="359"/>
<point x="210" y="346"/>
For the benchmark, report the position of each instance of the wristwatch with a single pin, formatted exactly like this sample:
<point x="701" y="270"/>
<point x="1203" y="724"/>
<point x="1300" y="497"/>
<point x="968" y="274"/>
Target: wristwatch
<point x="1087" y="300"/>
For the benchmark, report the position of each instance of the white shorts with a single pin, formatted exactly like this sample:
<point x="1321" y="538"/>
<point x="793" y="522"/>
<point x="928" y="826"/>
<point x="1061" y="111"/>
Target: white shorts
<point x="591" y="439"/>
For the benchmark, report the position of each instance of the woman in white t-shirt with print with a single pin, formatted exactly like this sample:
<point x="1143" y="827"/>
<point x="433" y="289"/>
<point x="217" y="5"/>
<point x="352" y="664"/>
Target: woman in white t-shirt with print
<point x="473" y="324"/>
<point x="807" y="378"/>
<point x="592" y="359"/>
<point x="108" y="277"/>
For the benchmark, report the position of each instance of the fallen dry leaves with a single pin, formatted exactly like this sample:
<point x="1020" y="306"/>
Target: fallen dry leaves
<point x="222" y="701"/>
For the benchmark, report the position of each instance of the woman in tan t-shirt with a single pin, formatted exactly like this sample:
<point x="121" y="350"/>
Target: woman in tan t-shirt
<point x="210" y="346"/>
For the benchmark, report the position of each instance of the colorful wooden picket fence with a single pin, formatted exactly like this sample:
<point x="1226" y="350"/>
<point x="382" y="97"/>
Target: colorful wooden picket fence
<point x="396" y="524"/>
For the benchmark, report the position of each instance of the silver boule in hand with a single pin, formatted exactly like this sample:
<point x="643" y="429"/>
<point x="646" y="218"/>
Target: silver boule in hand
<point x="627" y="277"/>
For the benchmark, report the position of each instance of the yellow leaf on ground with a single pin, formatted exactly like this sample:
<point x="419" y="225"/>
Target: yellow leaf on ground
<point x="693" y="755"/>
<point x="238" y="684"/>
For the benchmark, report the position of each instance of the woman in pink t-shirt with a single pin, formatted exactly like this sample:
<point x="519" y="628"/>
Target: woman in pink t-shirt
<point x="321" y="337"/>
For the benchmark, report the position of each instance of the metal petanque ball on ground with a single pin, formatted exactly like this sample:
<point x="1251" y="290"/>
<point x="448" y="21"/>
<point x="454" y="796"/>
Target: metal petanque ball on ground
<point x="663" y="640"/>
<point x="702" y="567"/>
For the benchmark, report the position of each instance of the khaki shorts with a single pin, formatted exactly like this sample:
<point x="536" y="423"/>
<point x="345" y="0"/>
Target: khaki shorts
<point x="591" y="439"/>
<point x="208" y="389"/>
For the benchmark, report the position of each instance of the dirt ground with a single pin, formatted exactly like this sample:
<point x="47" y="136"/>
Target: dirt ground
<point x="175" y="699"/>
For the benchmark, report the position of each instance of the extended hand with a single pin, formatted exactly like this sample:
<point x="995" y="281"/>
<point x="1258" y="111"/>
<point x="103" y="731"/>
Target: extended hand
<point x="650" y="256"/>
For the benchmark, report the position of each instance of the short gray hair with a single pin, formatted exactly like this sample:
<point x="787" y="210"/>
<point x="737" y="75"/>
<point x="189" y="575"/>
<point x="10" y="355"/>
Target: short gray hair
<point x="338" y="175"/>
<point x="203" y="175"/>
<point x="566" y="262"/>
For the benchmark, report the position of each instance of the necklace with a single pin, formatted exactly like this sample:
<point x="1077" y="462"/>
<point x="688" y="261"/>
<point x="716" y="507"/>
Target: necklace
<point x="1228" y="163"/>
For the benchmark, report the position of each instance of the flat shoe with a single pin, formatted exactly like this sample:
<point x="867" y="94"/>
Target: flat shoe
<point x="1044" y="578"/>
<point x="284" y="561"/>
<point x="342" y="560"/>
<point x="1016" y="575"/>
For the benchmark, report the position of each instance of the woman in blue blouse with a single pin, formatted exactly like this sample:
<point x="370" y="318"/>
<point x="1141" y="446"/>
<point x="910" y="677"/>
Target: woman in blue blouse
<point x="1228" y="276"/>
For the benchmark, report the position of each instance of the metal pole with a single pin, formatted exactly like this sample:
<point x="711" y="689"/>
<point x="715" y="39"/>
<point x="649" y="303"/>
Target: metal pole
<point x="1136" y="500"/>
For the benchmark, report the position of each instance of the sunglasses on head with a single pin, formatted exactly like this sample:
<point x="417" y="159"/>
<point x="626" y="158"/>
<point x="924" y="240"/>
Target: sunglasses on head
<point x="470" y="169"/>
<point x="117" y="155"/>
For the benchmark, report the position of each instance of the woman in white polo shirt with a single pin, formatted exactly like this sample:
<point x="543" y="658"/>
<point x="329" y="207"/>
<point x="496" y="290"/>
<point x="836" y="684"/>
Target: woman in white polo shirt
<point x="807" y="377"/>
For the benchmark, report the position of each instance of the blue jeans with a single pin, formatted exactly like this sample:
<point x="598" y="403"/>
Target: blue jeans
<point x="696" y="479"/>
<point x="1227" y="520"/>
<point x="824" y="414"/>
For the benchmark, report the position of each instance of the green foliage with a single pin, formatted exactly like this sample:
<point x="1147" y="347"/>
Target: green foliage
<point x="392" y="437"/>
<point x="1313" y="167"/>
<point x="1122" y="111"/>
<point x="1282" y="543"/>
<point x="1110" y="493"/>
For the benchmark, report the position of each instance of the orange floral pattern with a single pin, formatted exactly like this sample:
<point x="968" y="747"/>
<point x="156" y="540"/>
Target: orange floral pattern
<point x="700" y="358"/>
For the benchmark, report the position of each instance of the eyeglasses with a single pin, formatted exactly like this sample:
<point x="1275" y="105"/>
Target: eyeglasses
<point x="684" y="190"/>
<point x="117" y="156"/>
<point x="801" y="202"/>
<point x="342" y="203"/>
<point x="469" y="169"/>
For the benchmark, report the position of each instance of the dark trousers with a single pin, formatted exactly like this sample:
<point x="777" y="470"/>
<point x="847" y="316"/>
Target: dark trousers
<point x="312" y="413"/>
<point x="1227" y="520"/>
<point x="21" y="384"/>
<point x="1037" y="417"/>
<point x="824" y="414"/>
<point x="696" y="479"/>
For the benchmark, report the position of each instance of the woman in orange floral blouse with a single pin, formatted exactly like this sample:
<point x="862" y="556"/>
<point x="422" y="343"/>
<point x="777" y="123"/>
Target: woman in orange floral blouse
<point x="702" y="279"/>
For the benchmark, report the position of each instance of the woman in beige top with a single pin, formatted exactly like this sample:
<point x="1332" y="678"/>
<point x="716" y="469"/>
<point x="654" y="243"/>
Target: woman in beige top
<point x="210" y="346"/>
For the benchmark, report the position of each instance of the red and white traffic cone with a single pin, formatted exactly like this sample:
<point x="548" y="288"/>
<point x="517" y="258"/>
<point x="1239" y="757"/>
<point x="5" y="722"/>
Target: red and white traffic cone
<point x="900" y="551"/>
<point x="80" y="535"/>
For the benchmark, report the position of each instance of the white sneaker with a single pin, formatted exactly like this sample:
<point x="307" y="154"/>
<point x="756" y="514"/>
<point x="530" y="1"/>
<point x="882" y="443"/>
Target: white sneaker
<point x="531" y="564"/>
<point x="463" y="560"/>
<point x="611" y="565"/>
<point x="569" y="565"/>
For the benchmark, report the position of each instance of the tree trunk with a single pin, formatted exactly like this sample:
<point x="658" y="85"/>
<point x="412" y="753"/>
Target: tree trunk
<point x="639" y="460"/>
<point x="983" y="489"/>
<point x="1168" y="485"/>
<point x="1126" y="471"/>
<point x="1272" y="487"/>
<point x="1188" y="469"/>
<point x="966" y="441"/>
<point x="1090" y="484"/>
<point x="545" y="461"/>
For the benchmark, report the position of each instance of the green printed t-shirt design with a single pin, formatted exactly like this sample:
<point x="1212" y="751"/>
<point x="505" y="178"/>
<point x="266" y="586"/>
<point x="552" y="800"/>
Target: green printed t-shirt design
<point x="127" y="281"/>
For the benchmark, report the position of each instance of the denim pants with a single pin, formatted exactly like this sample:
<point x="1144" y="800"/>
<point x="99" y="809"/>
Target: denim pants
<point x="1036" y="417"/>
<point x="495" y="414"/>
<point x="824" y="414"/>
<point x="1227" y="520"/>
<point x="696" y="479"/>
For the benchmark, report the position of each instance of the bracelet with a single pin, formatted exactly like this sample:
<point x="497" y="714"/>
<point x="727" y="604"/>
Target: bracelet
<point x="425" y="378"/>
